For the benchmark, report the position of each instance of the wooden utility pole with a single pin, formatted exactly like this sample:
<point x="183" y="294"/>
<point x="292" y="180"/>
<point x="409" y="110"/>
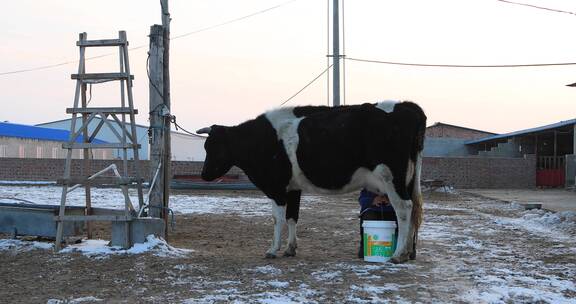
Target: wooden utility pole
<point x="336" y="55"/>
<point x="157" y="112"/>
<point x="160" y="116"/>
<point x="167" y="121"/>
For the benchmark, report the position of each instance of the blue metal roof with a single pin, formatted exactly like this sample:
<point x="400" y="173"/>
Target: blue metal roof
<point x="523" y="132"/>
<point x="31" y="132"/>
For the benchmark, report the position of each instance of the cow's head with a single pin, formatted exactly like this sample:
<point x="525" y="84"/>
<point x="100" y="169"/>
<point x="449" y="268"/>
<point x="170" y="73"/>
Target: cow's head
<point x="218" y="153"/>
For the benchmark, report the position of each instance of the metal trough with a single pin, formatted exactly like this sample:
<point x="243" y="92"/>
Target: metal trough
<point x="26" y="219"/>
<point x="38" y="220"/>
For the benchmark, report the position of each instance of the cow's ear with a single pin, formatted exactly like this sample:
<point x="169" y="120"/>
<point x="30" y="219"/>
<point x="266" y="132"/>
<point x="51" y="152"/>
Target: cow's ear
<point x="205" y="130"/>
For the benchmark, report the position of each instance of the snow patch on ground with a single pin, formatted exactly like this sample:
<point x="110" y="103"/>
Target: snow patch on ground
<point x="239" y="204"/>
<point x="513" y="276"/>
<point x="324" y="275"/>
<point x="273" y="283"/>
<point x="480" y="261"/>
<point x="246" y="206"/>
<point x="375" y="294"/>
<point x="446" y="189"/>
<point x="561" y="225"/>
<point x="23" y="246"/>
<point x="100" y="249"/>
<point x="507" y="293"/>
<point x="475" y="244"/>
<point x="74" y="301"/>
<point x="434" y="206"/>
<point x="268" y="269"/>
<point x="302" y="295"/>
<point x="376" y="289"/>
<point x="189" y="267"/>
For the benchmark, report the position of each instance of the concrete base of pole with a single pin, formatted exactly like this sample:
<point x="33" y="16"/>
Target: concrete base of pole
<point x="140" y="228"/>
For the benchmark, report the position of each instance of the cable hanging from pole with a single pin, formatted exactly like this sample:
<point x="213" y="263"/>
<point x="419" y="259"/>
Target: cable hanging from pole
<point x="307" y="85"/>
<point x="461" y="65"/>
<point x="538" y="7"/>
<point x="45" y="67"/>
<point x="233" y="20"/>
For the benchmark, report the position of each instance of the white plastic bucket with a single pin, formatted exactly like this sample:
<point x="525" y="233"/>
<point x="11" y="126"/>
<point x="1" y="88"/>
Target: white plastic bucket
<point x="379" y="240"/>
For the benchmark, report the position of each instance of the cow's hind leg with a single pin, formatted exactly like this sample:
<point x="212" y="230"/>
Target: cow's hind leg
<point x="403" y="208"/>
<point x="279" y="217"/>
<point x="292" y="210"/>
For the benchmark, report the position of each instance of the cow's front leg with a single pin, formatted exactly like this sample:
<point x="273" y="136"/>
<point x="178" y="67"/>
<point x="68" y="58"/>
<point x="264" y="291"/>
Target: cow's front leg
<point x="292" y="211"/>
<point x="279" y="218"/>
<point x="291" y="249"/>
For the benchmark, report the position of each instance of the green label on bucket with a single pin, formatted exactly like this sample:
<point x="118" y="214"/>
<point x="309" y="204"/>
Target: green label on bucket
<point x="375" y="247"/>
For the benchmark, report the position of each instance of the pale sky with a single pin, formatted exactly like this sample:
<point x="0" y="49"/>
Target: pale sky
<point x="232" y="73"/>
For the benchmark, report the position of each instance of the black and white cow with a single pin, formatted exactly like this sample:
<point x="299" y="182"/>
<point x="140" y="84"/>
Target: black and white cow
<point x="327" y="150"/>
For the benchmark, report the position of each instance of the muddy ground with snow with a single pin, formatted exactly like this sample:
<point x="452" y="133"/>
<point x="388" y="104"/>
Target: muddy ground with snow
<point x="472" y="250"/>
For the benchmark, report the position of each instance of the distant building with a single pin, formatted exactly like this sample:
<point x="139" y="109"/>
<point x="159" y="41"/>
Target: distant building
<point x="440" y="129"/>
<point x="553" y="146"/>
<point x="23" y="141"/>
<point x="449" y="140"/>
<point x="184" y="147"/>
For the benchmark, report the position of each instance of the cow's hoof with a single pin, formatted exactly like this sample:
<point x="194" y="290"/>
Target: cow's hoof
<point x="412" y="255"/>
<point x="399" y="259"/>
<point x="290" y="252"/>
<point x="270" y="255"/>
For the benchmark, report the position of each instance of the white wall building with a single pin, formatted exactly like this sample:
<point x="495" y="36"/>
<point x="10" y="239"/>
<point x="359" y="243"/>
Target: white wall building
<point x="23" y="141"/>
<point x="185" y="147"/>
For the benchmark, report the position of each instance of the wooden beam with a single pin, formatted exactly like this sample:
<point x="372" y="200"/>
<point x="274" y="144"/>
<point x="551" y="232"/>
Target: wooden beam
<point x="107" y="110"/>
<point x="98" y="181"/>
<point x="102" y="76"/>
<point x="94" y="218"/>
<point x="103" y="42"/>
<point x="99" y="146"/>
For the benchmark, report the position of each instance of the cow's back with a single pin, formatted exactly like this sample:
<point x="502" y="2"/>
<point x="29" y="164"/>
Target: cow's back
<point x="333" y="145"/>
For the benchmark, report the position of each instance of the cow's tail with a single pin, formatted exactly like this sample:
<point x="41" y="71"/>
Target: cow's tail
<point x="417" y="211"/>
<point x="418" y="147"/>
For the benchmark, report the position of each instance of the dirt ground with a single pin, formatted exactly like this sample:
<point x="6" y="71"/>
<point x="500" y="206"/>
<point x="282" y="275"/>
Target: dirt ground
<point x="466" y="252"/>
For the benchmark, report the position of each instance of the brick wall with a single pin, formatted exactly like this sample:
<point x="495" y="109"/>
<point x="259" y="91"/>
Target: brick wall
<point x="443" y="130"/>
<point x="53" y="169"/>
<point x="462" y="172"/>
<point x="482" y="172"/>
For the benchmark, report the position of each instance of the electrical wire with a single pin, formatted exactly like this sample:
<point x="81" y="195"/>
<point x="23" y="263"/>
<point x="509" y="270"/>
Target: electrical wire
<point x="142" y="46"/>
<point x="307" y="85"/>
<point x="233" y="20"/>
<point x="90" y="98"/>
<point x="44" y="67"/>
<point x="152" y="82"/>
<point x="538" y="7"/>
<point x="462" y="66"/>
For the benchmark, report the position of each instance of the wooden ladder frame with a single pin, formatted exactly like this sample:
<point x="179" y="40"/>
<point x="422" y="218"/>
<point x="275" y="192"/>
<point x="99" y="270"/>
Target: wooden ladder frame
<point x="127" y="139"/>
